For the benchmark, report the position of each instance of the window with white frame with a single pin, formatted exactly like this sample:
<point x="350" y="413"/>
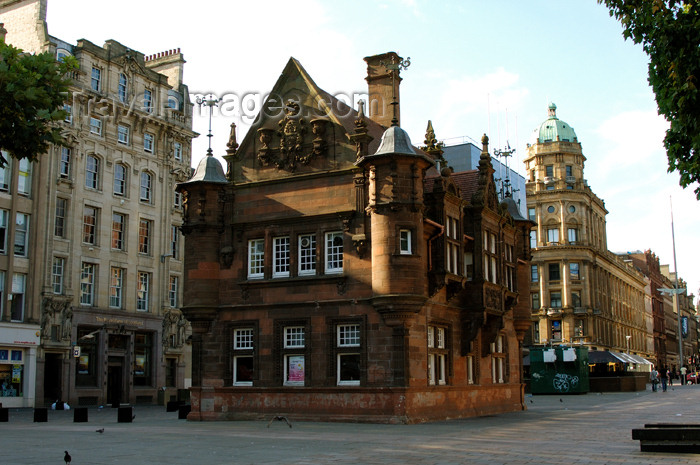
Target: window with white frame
<point x="555" y="299"/>
<point x="4" y="231"/>
<point x="57" y="270"/>
<point x="280" y="257"/>
<point x="118" y="231"/>
<point x="143" y="291"/>
<point x="96" y="79"/>
<point x="148" y="140"/>
<point x="123" y="134"/>
<point x="348" y="346"/>
<point x="92" y="172"/>
<point x="147" y="101"/>
<point x="145" y="229"/>
<point x="177" y="151"/>
<point x="533" y="238"/>
<point x="572" y="234"/>
<point x="90" y="216"/>
<point x="405" y="246"/>
<point x="468" y="258"/>
<point x="334" y="252"/>
<point x="243" y="358"/>
<point x="437" y="355"/>
<point x="498" y="360"/>
<point x="175" y="242"/>
<point x="64" y="163"/>
<point x="256" y="258"/>
<point x="452" y="245"/>
<point x="116" y="287"/>
<point x="177" y="200"/>
<point x="146" y="187"/>
<point x="294" y="360"/>
<point x="95" y="126"/>
<point x="307" y="254"/>
<point x="19" y="284"/>
<point x="5" y="172"/>
<point x="490" y="257"/>
<point x="173" y="291"/>
<point x="87" y="284"/>
<point x="21" y="234"/>
<point x="122" y="88"/>
<point x="59" y="227"/>
<point x="534" y="273"/>
<point x="69" y="113"/>
<point x="120" y="174"/>
<point x="553" y="235"/>
<point x="24" y="181"/>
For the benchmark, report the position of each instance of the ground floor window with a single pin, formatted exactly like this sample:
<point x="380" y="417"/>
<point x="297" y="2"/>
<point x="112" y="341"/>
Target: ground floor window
<point x="349" y="360"/>
<point x="11" y="372"/>
<point x="243" y="361"/>
<point x="143" y="355"/>
<point x="437" y="355"/>
<point x="498" y="360"/>
<point x="171" y="372"/>
<point x="86" y="363"/>
<point x="556" y="330"/>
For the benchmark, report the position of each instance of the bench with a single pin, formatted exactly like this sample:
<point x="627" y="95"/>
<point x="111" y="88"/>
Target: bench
<point x="668" y="437"/>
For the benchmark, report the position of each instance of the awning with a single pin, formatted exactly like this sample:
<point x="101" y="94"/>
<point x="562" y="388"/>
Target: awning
<point x="610" y="356"/>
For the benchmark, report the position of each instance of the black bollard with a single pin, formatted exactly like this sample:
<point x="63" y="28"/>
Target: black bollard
<point x="41" y="415"/>
<point x="80" y="415"/>
<point x="125" y="415"/>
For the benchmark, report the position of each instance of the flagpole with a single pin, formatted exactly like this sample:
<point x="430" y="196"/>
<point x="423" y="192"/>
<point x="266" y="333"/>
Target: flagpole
<point x="675" y="294"/>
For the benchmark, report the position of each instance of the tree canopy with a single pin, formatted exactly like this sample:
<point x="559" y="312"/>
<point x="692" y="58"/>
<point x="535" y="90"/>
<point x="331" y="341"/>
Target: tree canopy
<point x="33" y="89"/>
<point x="669" y="31"/>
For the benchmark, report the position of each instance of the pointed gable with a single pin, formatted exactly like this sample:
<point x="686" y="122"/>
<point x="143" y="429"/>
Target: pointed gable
<point x="301" y="129"/>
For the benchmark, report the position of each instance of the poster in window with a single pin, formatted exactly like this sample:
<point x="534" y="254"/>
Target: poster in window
<point x="16" y="355"/>
<point x="84" y="364"/>
<point x="16" y="374"/>
<point x="4" y="354"/>
<point x="140" y="365"/>
<point x="295" y="368"/>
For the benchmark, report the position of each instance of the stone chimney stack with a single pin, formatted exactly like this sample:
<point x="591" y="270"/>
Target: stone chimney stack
<point x="383" y="82"/>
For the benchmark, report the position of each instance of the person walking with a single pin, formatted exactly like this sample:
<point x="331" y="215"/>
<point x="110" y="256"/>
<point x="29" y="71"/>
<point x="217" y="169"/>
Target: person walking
<point x="663" y="374"/>
<point x="654" y="377"/>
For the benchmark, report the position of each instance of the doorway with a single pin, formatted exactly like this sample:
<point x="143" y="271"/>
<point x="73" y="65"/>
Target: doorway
<point x="53" y="378"/>
<point x="115" y="384"/>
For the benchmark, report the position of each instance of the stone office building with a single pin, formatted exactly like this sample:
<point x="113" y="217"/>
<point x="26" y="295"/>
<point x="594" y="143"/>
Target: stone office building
<point x="334" y="273"/>
<point x="91" y="264"/>
<point x="581" y="293"/>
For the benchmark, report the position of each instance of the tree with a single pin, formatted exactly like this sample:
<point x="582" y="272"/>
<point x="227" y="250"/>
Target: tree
<point x="669" y="31"/>
<point x="33" y="89"/>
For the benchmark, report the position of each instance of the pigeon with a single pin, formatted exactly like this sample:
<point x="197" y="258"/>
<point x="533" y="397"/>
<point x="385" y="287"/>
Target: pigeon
<point x="67" y="457"/>
<point x="101" y="430"/>
<point x="279" y="418"/>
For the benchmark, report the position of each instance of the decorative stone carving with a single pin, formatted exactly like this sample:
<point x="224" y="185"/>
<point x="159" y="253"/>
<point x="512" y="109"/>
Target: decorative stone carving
<point x="264" y="152"/>
<point x="292" y="129"/>
<point x="56" y="310"/>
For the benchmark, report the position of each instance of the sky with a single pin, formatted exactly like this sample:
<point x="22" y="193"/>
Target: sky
<point x="475" y="68"/>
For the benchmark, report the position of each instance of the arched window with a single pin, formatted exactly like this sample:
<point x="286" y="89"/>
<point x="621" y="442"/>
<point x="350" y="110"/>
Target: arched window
<point x="146" y="187"/>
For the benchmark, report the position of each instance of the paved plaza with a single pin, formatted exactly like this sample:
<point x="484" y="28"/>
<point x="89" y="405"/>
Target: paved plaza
<point x="581" y="429"/>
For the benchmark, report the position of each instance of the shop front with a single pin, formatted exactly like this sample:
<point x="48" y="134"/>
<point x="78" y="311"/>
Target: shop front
<point x="116" y="360"/>
<point x="18" y="344"/>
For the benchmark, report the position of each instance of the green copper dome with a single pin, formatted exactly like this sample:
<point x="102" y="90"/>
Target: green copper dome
<point x="553" y="129"/>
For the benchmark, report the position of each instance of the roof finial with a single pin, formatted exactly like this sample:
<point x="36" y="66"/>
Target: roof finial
<point x="552" y="111"/>
<point x="232" y="145"/>
<point x="395" y="66"/>
<point x="211" y="102"/>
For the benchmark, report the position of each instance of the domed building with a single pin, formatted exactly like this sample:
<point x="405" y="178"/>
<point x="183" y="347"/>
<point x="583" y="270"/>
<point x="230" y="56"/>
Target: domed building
<point x="580" y="292"/>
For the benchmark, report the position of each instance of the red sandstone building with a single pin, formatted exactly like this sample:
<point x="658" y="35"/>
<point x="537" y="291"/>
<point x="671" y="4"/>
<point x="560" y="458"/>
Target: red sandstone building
<point x="337" y="272"/>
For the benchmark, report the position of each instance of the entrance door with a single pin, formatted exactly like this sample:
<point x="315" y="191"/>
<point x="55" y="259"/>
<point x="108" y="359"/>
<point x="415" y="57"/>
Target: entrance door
<point x="115" y="383"/>
<point x="53" y="378"/>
